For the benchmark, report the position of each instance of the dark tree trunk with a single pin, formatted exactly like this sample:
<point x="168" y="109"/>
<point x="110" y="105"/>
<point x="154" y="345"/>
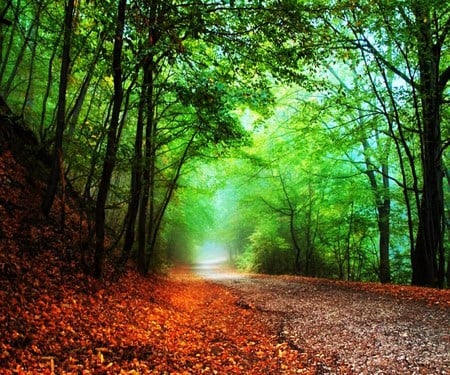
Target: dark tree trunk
<point x="74" y="113"/>
<point x="384" y="229"/>
<point x="146" y="212"/>
<point x="297" y="249"/>
<point x="111" y="147"/>
<point x="4" y="55"/>
<point x="57" y="166"/>
<point x="383" y="204"/>
<point x="429" y="241"/>
<point x="136" y="184"/>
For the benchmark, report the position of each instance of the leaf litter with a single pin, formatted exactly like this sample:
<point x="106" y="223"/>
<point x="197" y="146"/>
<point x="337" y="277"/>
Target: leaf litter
<point x="365" y="328"/>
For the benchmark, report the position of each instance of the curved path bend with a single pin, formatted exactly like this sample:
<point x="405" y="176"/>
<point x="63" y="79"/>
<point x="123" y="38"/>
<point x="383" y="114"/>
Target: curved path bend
<point x="368" y="328"/>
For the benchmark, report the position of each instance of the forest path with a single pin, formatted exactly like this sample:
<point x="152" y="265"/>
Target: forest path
<point x="369" y="328"/>
<point x="210" y="321"/>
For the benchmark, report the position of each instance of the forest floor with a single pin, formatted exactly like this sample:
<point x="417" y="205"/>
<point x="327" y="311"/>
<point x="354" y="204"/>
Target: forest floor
<point x="56" y="319"/>
<point x="364" y="328"/>
<point x="222" y="323"/>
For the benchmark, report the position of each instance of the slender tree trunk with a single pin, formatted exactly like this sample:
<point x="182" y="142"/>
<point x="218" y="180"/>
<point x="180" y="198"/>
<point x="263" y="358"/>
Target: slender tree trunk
<point x="447" y="226"/>
<point x="5" y="55"/>
<point x="291" y="213"/>
<point x="74" y="113"/>
<point x="309" y="232"/>
<point x="57" y="166"/>
<point x="7" y="87"/>
<point x="383" y="205"/>
<point x="297" y="264"/>
<point x="33" y="42"/>
<point x="4" y="23"/>
<point x="348" y="245"/>
<point x="136" y="184"/>
<point x="145" y="214"/>
<point x="112" y="144"/>
<point x="42" y="129"/>
<point x="384" y="213"/>
<point x="155" y="225"/>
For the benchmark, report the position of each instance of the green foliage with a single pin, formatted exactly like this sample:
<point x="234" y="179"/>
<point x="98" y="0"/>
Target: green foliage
<point x="279" y="127"/>
<point x="267" y="252"/>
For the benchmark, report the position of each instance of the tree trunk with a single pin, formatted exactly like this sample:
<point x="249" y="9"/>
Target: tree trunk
<point x="4" y="22"/>
<point x="30" y="81"/>
<point x="61" y="112"/>
<point x="111" y="147"/>
<point x="156" y="223"/>
<point x="74" y="113"/>
<point x="42" y="129"/>
<point x="136" y="184"/>
<point x="384" y="228"/>
<point x="429" y="240"/>
<point x="7" y="86"/>
<point x="383" y="204"/>
<point x="4" y="55"/>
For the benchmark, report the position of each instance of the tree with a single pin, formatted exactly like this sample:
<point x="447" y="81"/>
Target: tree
<point x="428" y="258"/>
<point x="57" y="172"/>
<point x="396" y="38"/>
<point x="112" y="143"/>
<point x="370" y="134"/>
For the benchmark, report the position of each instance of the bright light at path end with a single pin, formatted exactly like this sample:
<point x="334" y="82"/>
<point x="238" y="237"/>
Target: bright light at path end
<point x="212" y="252"/>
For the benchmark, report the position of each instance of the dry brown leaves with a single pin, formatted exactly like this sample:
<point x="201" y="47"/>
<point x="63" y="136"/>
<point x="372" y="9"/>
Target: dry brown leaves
<point x="369" y="328"/>
<point x="52" y="322"/>
<point x="429" y="296"/>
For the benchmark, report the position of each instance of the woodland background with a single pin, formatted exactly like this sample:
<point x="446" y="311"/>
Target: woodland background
<point x="306" y="137"/>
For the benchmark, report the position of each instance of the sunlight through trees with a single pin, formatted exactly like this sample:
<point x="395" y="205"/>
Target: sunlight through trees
<point x="305" y="137"/>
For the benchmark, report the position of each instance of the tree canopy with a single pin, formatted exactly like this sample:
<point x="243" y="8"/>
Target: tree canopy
<point x="306" y="137"/>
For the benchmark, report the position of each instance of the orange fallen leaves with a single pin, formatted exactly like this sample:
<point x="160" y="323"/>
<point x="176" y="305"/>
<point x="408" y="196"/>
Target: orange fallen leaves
<point x="161" y="326"/>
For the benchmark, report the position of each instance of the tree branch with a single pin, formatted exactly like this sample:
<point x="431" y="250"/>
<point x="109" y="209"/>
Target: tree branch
<point x="369" y="47"/>
<point x="444" y="78"/>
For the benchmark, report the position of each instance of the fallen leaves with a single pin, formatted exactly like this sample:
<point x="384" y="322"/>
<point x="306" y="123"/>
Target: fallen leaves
<point x="366" y="328"/>
<point x="135" y="326"/>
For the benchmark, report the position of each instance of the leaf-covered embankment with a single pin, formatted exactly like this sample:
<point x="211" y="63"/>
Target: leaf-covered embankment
<point x="55" y="318"/>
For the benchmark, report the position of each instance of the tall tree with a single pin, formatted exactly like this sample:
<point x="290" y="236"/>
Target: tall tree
<point x="431" y="30"/>
<point x="57" y="171"/>
<point x="112" y="142"/>
<point x="369" y="135"/>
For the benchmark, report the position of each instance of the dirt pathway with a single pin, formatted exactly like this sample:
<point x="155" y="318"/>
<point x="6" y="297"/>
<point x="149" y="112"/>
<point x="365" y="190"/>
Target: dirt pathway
<point x="231" y="338"/>
<point x="388" y="330"/>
